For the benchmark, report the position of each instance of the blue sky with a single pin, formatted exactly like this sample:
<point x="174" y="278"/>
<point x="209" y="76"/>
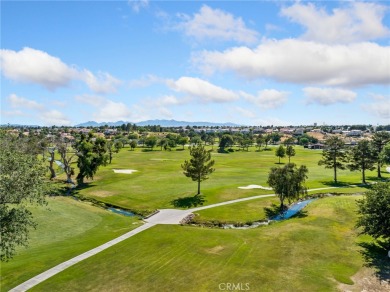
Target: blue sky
<point x="250" y="63"/>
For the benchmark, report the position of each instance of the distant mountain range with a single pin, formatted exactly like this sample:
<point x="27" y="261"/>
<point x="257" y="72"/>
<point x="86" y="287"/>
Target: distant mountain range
<point x="163" y="123"/>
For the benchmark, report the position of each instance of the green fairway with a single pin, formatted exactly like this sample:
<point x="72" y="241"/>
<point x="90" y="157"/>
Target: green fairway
<point x="312" y="253"/>
<point x="247" y="211"/>
<point x="66" y="228"/>
<point x="159" y="178"/>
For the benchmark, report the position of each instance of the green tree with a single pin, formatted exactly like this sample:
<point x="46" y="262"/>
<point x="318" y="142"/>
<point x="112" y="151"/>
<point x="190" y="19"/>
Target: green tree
<point x="68" y="156"/>
<point x="288" y="182"/>
<point x="374" y="213"/>
<point x="260" y="141"/>
<point x="275" y="137"/>
<point x="22" y="181"/>
<point x="196" y="140"/>
<point x="118" y="145"/>
<point x="379" y="140"/>
<point x="385" y="154"/>
<point x="280" y="152"/>
<point x="110" y="150"/>
<point x="334" y="155"/>
<point x="133" y="144"/>
<point x="210" y="138"/>
<point x="163" y="143"/>
<point x="199" y="166"/>
<point x="151" y="142"/>
<point x="225" y="141"/>
<point x="182" y="141"/>
<point x="362" y="158"/>
<point x="267" y="139"/>
<point x="51" y="151"/>
<point x="290" y="151"/>
<point x="289" y="141"/>
<point x="92" y="153"/>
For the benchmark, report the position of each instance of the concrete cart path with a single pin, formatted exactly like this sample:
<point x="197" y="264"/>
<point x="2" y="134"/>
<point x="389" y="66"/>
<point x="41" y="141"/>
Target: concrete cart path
<point x="55" y="270"/>
<point x="164" y="216"/>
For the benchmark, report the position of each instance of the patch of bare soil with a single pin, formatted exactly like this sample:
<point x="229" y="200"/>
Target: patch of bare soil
<point x="102" y="194"/>
<point x="366" y="281"/>
<point x="216" y="249"/>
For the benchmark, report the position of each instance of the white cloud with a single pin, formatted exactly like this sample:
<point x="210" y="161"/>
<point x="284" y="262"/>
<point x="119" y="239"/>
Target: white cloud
<point x="327" y="96"/>
<point x="137" y="5"/>
<point x="35" y="109"/>
<point x="216" y="24"/>
<point x="13" y="113"/>
<point x="244" y="112"/>
<point x="38" y="67"/>
<point x="102" y="83"/>
<point x="358" y="21"/>
<point x="169" y="100"/>
<point x="267" y="98"/>
<point x="145" y="81"/>
<point x="108" y="110"/>
<point x="379" y="109"/>
<point x="94" y="100"/>
<point x="54" y="117"/>
<point x="165" y="112"/>
<point x="18" y="102"/>
<point x="34" y="66"/>
<point x="376" y="96"/>
<point x="203" y="90"/>
<point x="300" y="61"/>
<point x="112" y="111"/>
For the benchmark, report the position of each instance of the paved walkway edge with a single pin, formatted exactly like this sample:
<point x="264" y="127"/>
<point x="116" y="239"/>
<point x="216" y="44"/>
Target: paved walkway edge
<point x="55" y="270"/>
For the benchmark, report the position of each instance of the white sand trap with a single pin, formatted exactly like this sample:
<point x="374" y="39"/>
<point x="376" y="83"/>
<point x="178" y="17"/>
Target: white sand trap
<point x="127" y="171"/>
<point x="255" y="187"/>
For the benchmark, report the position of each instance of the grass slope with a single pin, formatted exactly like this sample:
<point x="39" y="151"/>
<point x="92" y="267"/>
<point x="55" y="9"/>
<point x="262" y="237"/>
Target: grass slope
<point x="160" y="179"/>
<point x="311" y="253"/>
<point x="66" y="228"/>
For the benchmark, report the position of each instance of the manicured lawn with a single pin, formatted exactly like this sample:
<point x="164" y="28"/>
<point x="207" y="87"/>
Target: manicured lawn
<point x="159" y="179"/>
<point x="66" y="228"/>
<point x="239" y="212"/>
<point x="312" y="253"/>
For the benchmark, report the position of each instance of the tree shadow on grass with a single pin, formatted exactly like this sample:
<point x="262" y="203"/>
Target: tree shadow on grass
<point x="375" y="256"/>
<point x="333" y="184"/>
<point x="147" y="150"/>
<point x="274" y="211"/>
<point x="301" y="214"/>
<point x="377" y="179"/>
<point x="188" y="202"/>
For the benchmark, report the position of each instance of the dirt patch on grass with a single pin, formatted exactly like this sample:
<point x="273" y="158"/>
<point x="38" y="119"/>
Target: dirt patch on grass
<point x="249" y="187"/>
<point x="102" y="194"/>
<point x="365" y="280"/>
<point x="215" y="250"/>
<point x="126" y="171"/>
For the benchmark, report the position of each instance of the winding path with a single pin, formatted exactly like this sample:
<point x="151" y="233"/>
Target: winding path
<point x="164" y="216"/>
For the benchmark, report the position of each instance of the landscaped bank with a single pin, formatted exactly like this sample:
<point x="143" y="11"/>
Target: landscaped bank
<point x="310" y="253"/>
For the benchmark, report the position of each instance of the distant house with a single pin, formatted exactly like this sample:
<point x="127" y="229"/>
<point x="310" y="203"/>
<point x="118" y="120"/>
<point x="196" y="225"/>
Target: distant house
<point x="299" y="131"/>
<point x="258" y="130"/>
<point x="354" y="133"/>
<point x="316" y="146"/>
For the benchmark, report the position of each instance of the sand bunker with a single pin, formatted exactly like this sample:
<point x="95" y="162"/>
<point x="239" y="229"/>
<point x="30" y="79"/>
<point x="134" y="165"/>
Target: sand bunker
<point x="127" y="171"/>
<point x="255" y="187"/>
